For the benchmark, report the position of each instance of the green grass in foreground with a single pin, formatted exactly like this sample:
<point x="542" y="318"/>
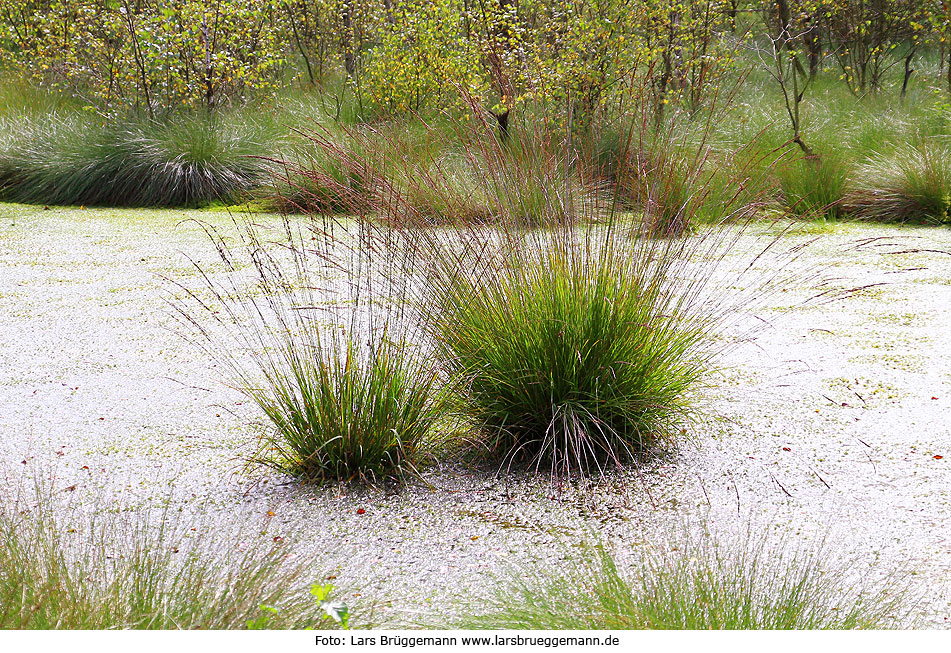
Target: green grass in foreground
<point x="698" y="587"/>
<point x="80" y="570"/>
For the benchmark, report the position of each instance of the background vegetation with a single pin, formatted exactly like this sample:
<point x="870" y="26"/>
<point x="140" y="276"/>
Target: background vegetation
<point x="100" y="96"/>
<point x="564" y="318"/>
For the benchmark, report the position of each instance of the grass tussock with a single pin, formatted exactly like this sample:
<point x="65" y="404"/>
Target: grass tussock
<point x="442" y="173"/>
<point x="574" y="335"/>
<point x="74" y="568"/>
<point x="701" y="586"/>
<point x="911" y="184"/>
<point x="814" y="186"/>
<point x="71" y="159"/>
<point x="326" y="171"/>
<point x="315" y="330"/>
<point x="571" y="352"/>
<point x="347" y="410"/>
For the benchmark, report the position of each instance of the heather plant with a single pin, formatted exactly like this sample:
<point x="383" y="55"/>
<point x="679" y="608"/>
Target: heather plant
<point x="148" y="58"/>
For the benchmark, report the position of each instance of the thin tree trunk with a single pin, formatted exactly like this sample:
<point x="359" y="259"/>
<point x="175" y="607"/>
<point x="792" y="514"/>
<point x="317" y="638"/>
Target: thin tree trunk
<point x="909" y="71"/>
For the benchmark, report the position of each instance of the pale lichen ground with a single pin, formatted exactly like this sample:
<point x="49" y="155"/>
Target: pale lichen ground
<point x="832" y="424"/>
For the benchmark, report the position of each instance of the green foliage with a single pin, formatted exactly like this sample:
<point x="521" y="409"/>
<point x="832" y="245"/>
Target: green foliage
<point x="336" y="611"/>
<point x="341" y="410"/>
<point x="151" y="56"/>
<point x="814" y="185"/>
<point x="420" y="59"/>
<point x="705" y="586"/>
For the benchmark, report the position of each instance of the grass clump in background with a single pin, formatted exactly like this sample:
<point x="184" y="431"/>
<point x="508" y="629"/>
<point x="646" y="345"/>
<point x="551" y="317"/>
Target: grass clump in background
<point x="71" y="159"/>
<point x="911" y="184"/>
<point x="814" y="186"/>
<point x="456" y="173"/>
<point x="66" y="567"/>
<point x="701" y="586"/>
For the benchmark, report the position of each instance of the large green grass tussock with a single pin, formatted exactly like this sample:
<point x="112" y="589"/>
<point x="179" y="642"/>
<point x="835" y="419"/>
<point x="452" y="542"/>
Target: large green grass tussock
<point x="573" y="351"/>
<point x="71" y="159"/>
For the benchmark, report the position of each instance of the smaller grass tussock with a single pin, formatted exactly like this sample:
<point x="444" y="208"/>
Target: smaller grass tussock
<point x="415" y="173"/>
<point x="327" y="171"/>
<point x="313" y="328"/>
<point x="701" y="586"/>
<point x="347" y="411"/>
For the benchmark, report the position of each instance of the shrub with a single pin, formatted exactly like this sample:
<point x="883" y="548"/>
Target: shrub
<point x="747" y="586"/>
<point x="913" y="184"/>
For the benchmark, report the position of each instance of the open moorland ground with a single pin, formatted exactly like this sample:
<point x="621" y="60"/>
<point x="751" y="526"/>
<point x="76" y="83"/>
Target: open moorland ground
<point x="830" y="424"/>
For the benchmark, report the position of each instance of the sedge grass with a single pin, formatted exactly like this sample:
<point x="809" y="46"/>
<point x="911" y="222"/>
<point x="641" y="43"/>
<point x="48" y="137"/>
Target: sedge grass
<point x="571" y="354"/>
<point x="313" y="329"/>
<point x="814" y="185"/>
<point x="347" y="411"/>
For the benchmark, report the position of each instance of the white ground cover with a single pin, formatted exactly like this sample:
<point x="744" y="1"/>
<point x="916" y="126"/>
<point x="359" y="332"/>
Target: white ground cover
<point x="832" y="424"/>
